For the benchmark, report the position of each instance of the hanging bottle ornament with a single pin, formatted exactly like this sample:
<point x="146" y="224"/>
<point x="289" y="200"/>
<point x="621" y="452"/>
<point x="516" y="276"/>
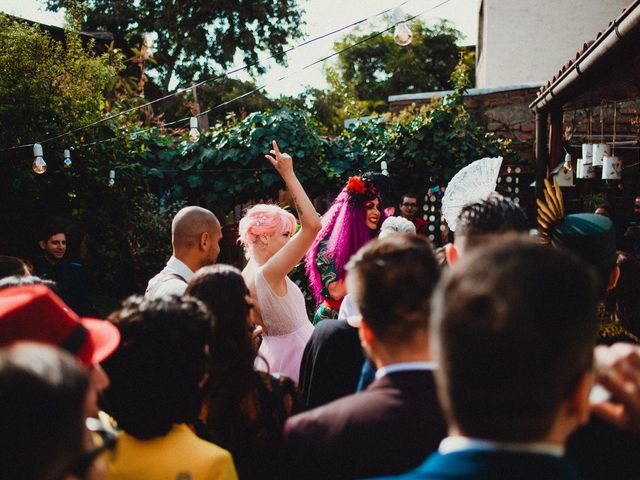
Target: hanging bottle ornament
<point x="194" y="133"/>
<point x="402" y="34"/>
<point x="39" y="165"/>
<point x="67" y="159"/>
<point x="112" y="179"/>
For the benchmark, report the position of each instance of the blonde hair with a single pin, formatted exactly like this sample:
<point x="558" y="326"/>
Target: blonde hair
<point x="263" y="219"/>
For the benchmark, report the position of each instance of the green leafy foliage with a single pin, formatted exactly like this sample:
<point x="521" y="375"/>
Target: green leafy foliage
<point x="196" y="37"/>
<point x="227" y="166"/>
<point x="422" y="147"/>
<point x="212" y="94"/>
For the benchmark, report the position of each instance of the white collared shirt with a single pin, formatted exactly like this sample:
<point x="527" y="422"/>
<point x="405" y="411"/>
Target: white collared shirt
<point x="460" y="443"/>
<point x="405" y="367"/>
<point x="172" y="280"/>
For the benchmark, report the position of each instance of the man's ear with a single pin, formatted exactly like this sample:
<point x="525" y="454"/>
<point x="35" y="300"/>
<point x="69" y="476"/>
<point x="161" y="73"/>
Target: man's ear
<point x="365" y="333"/>
<point x="42" y="244"/>
<point x="579" y="400"/>
<point x="204" y="240"/>
<point x="451" y="254"/>
<point x="614" y="276"/>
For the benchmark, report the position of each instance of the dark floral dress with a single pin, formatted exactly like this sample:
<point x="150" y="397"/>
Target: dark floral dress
<point x="329" y="274"/>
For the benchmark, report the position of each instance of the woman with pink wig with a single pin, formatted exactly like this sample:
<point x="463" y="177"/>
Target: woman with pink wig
<point x="267" y="233"/>
<point x="351" y="221"/>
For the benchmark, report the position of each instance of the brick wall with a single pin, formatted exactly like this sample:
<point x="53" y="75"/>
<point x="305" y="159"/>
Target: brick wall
<point x="576" y="122"/>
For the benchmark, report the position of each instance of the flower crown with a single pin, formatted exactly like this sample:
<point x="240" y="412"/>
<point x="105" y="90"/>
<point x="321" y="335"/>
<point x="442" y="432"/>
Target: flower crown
<point x="361" y="189"/>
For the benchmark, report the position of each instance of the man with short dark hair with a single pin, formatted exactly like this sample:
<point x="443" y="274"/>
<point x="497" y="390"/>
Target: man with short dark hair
<point x="409" y="210"/>
<point x="195" y="237"/>
<point x="480" y="223"/>
<point x="391" y="425"/>
<point x="70" y="276"/>
<point x="514" y="328"/>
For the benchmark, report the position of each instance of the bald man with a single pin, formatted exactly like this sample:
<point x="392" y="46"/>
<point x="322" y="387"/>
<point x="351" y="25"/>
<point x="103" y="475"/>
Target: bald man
<point x="195" y="236"/>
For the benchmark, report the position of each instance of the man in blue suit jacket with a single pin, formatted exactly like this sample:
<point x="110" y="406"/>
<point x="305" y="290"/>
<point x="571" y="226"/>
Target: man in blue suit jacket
<point x="513" y="327"/>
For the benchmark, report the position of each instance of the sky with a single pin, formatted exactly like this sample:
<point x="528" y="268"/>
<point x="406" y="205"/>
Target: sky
<point x="321" y="17"/>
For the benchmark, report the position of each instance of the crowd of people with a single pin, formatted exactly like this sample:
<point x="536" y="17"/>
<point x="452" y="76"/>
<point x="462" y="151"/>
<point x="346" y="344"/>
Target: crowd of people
<point x="495" y="356"/>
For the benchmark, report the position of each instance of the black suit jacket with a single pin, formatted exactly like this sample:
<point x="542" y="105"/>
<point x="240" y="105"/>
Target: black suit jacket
<point x="387" y="429"/>
<point x="331" y="363"/>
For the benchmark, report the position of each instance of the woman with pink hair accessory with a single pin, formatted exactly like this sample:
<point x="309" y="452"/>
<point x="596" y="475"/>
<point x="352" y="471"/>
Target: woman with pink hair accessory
<point x="351" y="221"/>
<point x="267" y="234"/>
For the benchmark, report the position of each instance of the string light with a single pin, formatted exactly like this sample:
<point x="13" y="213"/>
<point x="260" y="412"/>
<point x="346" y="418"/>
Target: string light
<point x="149" y="43"/>
<point x="67" y="159"/>
<point x="402" y="34"/>
<point x="39" y="165"/>
<point x="194" y="133"/>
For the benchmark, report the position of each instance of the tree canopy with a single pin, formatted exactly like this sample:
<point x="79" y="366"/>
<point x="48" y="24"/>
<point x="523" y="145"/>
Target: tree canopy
<point x="196" y="37"/>
<point x="378" y="67"/>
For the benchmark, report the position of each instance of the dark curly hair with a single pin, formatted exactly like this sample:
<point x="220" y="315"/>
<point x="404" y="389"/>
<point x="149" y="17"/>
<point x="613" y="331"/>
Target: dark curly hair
<point x="493" y="215"/>
<point x="159" y="365"/>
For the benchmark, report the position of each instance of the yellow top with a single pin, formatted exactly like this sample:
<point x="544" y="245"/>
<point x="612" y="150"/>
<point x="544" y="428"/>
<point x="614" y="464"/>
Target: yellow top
<point x="179" y="455"/>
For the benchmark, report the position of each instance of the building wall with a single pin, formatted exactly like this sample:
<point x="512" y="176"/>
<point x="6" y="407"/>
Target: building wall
<point x="524" y="41"/>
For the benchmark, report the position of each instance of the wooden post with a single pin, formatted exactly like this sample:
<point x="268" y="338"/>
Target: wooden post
<point x="542" y="154"/>
<point x="556" y="147"/>
<point x="203" y="120"/>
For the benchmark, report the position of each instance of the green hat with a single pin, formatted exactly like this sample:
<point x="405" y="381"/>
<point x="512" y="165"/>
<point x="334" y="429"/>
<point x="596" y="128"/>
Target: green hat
<point x="591" y="237"/>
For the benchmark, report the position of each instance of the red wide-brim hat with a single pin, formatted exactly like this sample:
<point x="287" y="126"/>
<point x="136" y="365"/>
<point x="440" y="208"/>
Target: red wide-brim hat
<point x="35" y="313"/>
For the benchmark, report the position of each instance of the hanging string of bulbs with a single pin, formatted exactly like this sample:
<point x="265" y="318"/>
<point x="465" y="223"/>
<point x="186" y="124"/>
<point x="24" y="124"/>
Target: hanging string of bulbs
<point x="402" y="36"/>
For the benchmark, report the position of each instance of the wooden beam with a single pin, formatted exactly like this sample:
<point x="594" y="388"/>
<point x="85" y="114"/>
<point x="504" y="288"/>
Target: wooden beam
<point x="542" y="154"/>
<point x="556" y="146"/>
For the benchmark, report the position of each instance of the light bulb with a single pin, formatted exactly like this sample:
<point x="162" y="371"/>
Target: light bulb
<point x="194" y="133"/>
<point x="402" y="34"/>
<point x="150" y="43"/>
<point x="383" y="167"/>
<point x="112" y="179"/>
<point x="67" y="159"/>
<point x="39" y="165"/>
<point x="567" y="163"/>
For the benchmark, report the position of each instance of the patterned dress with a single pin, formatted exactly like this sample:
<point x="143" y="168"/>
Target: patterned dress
<point x="329" y="274"/>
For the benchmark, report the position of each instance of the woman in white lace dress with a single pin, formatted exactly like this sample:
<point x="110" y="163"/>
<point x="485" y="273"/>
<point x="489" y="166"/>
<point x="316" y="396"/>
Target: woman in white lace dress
<point x="267" y="233"/>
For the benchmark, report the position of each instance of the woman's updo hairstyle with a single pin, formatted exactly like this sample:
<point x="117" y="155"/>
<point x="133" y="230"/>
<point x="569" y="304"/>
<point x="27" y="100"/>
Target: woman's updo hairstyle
<point x="263" y="219"/>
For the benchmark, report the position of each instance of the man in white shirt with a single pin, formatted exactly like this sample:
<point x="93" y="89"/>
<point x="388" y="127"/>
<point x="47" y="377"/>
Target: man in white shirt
<point x="513" y="329"/>
<point x="195" y="237"/>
